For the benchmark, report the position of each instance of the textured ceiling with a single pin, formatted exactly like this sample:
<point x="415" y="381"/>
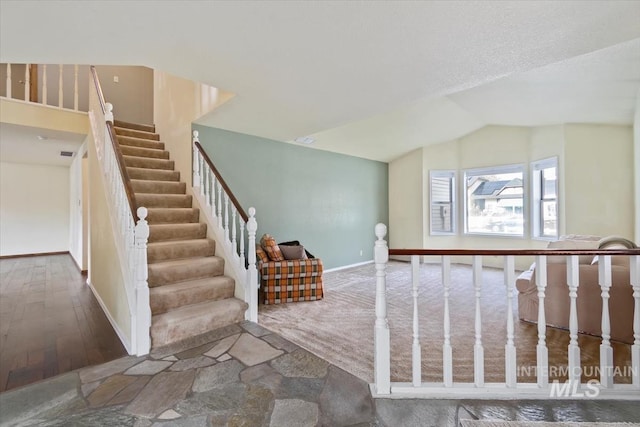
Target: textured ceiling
<point x="301" y="68"/>
<point x="20" y="144"/>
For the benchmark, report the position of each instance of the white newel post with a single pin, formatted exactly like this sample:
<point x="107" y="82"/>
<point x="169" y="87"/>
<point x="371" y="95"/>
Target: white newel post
<point x="143" y="306"/>
<point x="8" y="80"/>
<point x="542" y="353"/>
<point x="382" y="338"/>
<point x="634" y="272"/>
<point x="573" y="268"/>
<point x="108" y="115"/>
<point x="27" y="82"/>
<point x="416" y="356"/>
<point x="196" y="161"/>
<point x="251" y="288"/>
<point x="511" y="377"/>
<point x="606" y="351"/>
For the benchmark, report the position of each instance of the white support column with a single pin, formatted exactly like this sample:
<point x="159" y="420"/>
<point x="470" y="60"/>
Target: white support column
<point x="634" y="275"/>
<point x="382" y="338"/>
<point x="143" y="306"/>
<point x="573" y="281"/>
<point x="44" y="84"/>
<point x="478" y="350"/>
<point x="542" y="352"/>
<point x="251" y="288"/>
<point x="8" y="80"/>
<point x="447" y="351"/>
<point x="606" y="351"/>
<point x="416" y="356"/>
<point x="196" y="160"/>
<point x="27" y="82"/>
<point x="60" y="91"/>
<point x="510" y="373"/>
<point x="75" y="87"/>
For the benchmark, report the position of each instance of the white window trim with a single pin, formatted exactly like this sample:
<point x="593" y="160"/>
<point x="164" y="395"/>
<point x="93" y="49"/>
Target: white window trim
<point x="494" y="170"/>
<point x="452" y="175"/>
<point x="536" y="167"/>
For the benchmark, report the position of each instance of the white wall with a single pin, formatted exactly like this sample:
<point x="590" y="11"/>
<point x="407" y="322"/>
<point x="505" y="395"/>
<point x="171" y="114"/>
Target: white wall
<point x="34" y="209"/>
<point x="77" y="217"/>
<point x="636" y="162"/>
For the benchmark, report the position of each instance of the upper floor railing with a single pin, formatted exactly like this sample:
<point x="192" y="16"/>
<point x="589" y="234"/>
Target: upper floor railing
<point x="230" y="220"/>
<point x="574" y="387"/>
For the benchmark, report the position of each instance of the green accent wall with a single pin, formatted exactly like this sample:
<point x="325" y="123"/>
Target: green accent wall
<point x="330" y="202"/>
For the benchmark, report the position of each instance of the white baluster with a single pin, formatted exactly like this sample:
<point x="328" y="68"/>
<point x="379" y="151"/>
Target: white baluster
<point x="212" y="196"/>
<point x="634" y="277"/>
<point x="202" y="165"/>
<point x="417" y="359"/>
<point x="478" y="350"/>
<point x="242" y="243"/>
<point x="44" y="84"/>
<point x="510" y="348"/>
<point x="219" y="205"/>
<point x="382" y="339"/>
<point x="251" y="289"/>
<point x="75" y="87"/>
<point x="447" y="352"/>
<point x="143" y="307"/>
<point x="8" y="80"/>
<point x="60" y="92"/>
<point x="606" y="352"/>
<point x="205" y="182"/>
<point x="542" y="352"/>
<point x="196" y="161"/>
<point x="27" y="82"/>
<point x="573" y="353"/>
<point x="234" y="242"/>
<point x="226" y="217"/>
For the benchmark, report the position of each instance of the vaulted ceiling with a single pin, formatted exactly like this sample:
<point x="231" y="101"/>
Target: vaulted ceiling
<point x="371" y="79"/>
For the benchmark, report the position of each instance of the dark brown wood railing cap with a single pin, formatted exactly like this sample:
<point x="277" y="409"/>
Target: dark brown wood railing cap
<point x="222" y="182"/>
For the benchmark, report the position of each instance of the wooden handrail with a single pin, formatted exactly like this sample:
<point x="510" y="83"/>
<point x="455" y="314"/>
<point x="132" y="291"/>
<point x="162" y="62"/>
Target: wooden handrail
<point x="116" y="149"/>
<point x="226" y="188"/>
<point x="503" y="252"/>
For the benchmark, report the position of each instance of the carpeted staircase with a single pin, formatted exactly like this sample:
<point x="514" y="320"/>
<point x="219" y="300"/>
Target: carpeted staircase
<point x="189" y="292"/>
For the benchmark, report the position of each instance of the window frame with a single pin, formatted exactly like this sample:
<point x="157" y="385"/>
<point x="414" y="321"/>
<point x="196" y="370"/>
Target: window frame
<point x="451" y="175"/>
<point x="537" y="199"/>
<point x="495" y="170"/>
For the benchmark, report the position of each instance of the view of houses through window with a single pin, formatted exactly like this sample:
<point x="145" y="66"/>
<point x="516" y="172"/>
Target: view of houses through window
<point x="545" y="198"/>
<point x="494" y="201"/>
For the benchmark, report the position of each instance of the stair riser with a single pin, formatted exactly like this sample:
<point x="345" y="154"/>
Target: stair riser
<point x="159" y="276"/>
<point x="163" y="200"/>
<point x="172" y="216"/>
<point x="179" y="250"/>
<point x="159" y="233"/>
<point x="167" y="333"/>
<point x="164" y="302"/>
<point x="134" y="126"/>
<point x="150" y="153"/>
<point x="158" y="187"/>
<point x="153" y="174"/>
<point x="137" y="134"/>
<point x="146" y="163"/>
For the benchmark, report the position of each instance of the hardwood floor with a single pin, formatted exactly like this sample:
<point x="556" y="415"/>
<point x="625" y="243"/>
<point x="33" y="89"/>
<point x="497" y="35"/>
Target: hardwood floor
<point x="50" y="322"/>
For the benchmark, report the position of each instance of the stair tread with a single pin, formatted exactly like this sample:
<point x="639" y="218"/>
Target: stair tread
<point x="146" y="152"/>
<point x="164" y="164"/>
<point x="192" y="311"/>
<point x="128" y="132"/>
<point x="178" y="242"/>
<point x="190" y="284"/>
<point x="176" y="262"/>
<point x="134" y="126"/>
<point x="172" y="176"/>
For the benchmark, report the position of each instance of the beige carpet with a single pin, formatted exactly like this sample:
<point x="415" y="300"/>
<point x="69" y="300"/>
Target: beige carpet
<point x="340" y="327"/>
<point x="481" y="423"/>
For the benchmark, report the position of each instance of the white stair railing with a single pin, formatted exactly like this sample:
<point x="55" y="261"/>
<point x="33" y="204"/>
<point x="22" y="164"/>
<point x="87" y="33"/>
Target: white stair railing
<point x="229" y="222"/>
<point x="510" y="389"/>
<point x="64" y="93"/>
<point x="130" y="237"/>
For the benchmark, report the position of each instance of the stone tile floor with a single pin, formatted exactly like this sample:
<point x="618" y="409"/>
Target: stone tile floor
<point x="245" y="375"/>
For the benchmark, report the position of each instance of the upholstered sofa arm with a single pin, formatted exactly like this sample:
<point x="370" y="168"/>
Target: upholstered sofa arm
<point x="290" y="269"/>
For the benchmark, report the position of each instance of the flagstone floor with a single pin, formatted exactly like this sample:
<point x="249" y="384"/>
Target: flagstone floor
<point x="245" y="375"/>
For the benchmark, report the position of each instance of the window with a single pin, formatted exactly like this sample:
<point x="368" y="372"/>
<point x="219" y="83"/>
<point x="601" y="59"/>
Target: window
<point x="442" y="187"/>
<point x="494" y="200"/>
<point x="545" y="198"/>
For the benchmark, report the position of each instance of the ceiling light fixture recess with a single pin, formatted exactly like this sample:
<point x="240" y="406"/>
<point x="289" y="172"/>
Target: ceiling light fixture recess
<point x="305" y="140"/>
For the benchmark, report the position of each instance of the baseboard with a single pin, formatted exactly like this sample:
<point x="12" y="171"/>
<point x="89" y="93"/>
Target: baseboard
<point x="344" y="267"/>
<point x="38" y="254"/>
<point x="125" y="343"/>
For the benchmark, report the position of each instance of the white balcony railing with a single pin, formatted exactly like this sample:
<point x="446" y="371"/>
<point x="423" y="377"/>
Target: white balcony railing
<point x="603" y="388"/>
